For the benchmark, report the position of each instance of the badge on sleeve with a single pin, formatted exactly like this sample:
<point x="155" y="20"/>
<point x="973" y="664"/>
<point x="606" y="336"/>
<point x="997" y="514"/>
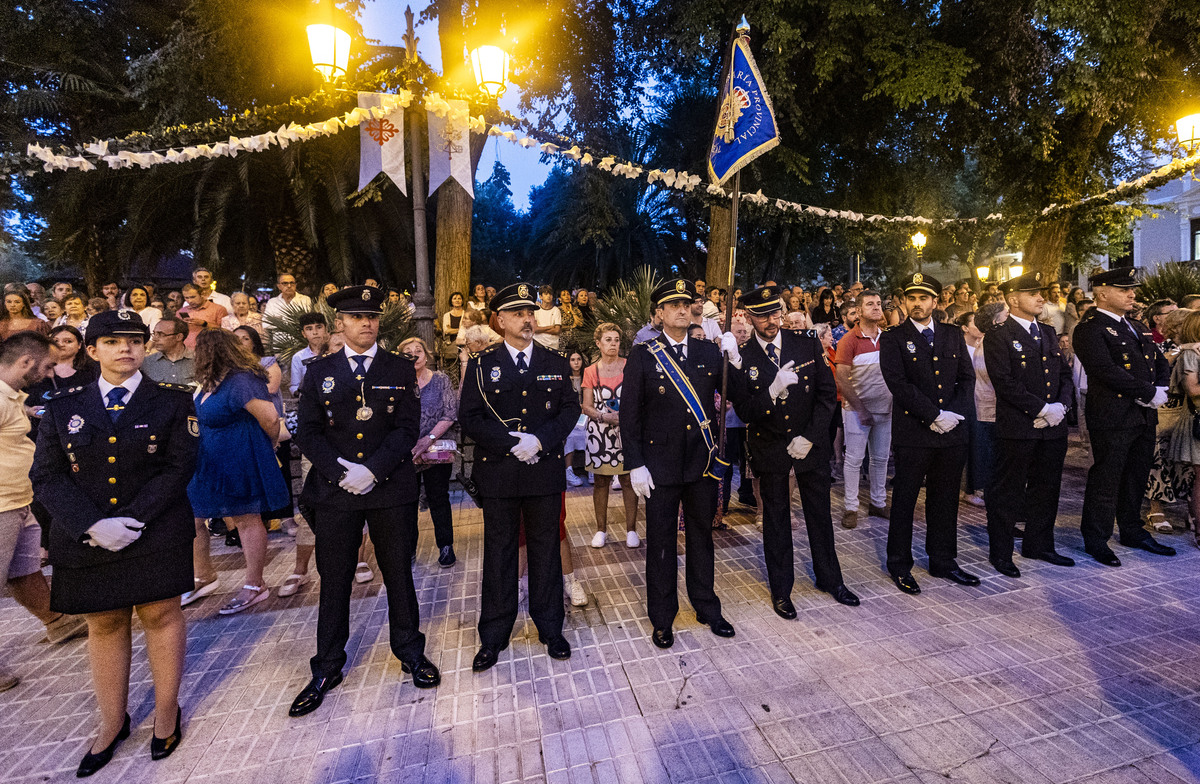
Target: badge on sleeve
<point x="327" y="385"/>
<point x="193" y="427"/>
<point x="75" y="424"/>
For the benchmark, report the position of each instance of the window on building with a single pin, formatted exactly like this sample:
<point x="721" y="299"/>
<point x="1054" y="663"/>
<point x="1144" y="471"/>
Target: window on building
<point x="1195" y="239"/>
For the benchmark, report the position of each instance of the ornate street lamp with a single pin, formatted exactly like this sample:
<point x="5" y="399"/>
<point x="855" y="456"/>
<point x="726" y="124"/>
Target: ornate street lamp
<point x="982" y="272"/>
<point x="918" y="242"/>
<point x="1015" y="271"/>
<point x="1188" y="130"/>
<point x="329" y="44"/>
<point x="490" y="64"/>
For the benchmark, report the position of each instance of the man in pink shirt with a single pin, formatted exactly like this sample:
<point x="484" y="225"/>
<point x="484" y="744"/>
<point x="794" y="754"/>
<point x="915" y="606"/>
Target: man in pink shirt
<point x="866" y="408"/>
<point x="199" y="313"/>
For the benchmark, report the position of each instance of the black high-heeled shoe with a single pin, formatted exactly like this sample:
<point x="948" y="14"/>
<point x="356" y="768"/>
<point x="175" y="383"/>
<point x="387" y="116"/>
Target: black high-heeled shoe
<point x="161" y="748"/>
<point x="94" y="762"/>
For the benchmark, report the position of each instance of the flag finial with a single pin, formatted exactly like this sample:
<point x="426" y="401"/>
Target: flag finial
<point x="743" y="27"/>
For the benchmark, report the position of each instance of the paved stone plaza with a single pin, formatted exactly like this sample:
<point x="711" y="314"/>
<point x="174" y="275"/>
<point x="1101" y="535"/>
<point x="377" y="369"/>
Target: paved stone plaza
<point x="1065" y="675"/>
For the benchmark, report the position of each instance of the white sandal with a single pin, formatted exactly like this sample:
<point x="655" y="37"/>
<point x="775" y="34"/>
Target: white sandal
<point x="292" y="584"/>
<point x="201" y="590"/>
<point x="235" y="605"/>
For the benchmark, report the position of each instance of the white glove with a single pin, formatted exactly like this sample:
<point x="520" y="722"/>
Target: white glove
<point x="114" y="533"/>
<point x="945" y="422"/>
<point x="730" y="347"/>
<point x="358" y="479"/>
<point x="799" y="448"/>
<point x="783" y="379"/>
<point x="527" y="447"/>
<point x="642" y="482"/>
<point x="1052" y="413"/>
<point x="1160" y="397"/>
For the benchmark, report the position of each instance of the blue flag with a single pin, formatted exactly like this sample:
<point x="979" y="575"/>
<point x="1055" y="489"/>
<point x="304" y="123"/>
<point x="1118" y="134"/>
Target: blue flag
<point x="746" y="122"/>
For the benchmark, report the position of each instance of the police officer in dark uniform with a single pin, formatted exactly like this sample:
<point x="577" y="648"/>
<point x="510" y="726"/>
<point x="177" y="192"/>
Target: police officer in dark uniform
<point x="1127" y="382"/>
<point x="113" y="461"/>
<point x="519" y="406"/>
<point x="784" y="391"/>
<point x="1034" y="391"/>
<point x="358" y="417"/>
<point x="667" y="449"/>
<point x="928" y="370"/>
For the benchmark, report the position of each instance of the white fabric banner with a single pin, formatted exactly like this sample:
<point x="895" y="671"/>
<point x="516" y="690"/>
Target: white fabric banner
<point x="450" y="148"/>
<point x="381" y="144"/>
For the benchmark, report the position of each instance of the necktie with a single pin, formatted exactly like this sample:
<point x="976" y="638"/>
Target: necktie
<point x="928" y="333"/>
<point x="771" y="353"/>
<point x="114" y="398"/>
<point x="522" y="366"/>
<point x="1034" y="332"/>
<point x="1130" y="327"/>
<point x="360" y="367"/>
<point x="679" y="355"/>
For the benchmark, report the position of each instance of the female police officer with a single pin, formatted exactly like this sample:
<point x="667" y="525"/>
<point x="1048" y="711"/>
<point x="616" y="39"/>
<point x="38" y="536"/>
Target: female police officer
<point x="112" y="466"/>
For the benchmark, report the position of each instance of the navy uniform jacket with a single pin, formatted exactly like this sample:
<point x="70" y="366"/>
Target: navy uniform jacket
<point x="497" y="399"/>
<point x="925" y="380"/>
<point x="1121" y="368"/>
<point x="806" y="411"/>
<point x="87" y="468"/>
<point x="327" y="428"/>
<point x="1026" y="379"/>
<point x="657" y="429"/>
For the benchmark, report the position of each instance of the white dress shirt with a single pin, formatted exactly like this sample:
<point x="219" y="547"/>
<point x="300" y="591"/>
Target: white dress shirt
<point x="527" y="351"/>
<point x="130" y="386"/>
<point x="369" y="354"/>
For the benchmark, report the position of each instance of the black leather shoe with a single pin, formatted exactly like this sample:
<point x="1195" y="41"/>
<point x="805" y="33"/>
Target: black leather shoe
<point x="720" y="627"/>
<point x="485" y="659"/>
<point x="1149" y="545"/>
<point x="425" y="675"/>
<point x="1106" y="557"/>
<point x="313" y="695"/>
<point x="446" y="557"/>
<point x="958" y="576"/>
<point x="906" y="583"/>
<point x="161" y="748"/>
<point x="94" y="762"/>
<point x="1018" y="532"/>
<point x="1051" y="557"/>
<point x="663" y="638"/>
<point x="557" y="647"/>
<point x="784" y="608"/>
<point x="1007" y="568"/>
<point x="843" y="595"/>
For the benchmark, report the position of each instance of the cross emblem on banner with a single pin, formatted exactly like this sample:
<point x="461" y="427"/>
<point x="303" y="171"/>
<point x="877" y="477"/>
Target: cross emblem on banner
<point x="381" y="130"/>
<point x="452" y="138"/>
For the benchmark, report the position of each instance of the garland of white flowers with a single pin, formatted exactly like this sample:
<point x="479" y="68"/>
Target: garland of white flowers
<point x="98" y="152"/>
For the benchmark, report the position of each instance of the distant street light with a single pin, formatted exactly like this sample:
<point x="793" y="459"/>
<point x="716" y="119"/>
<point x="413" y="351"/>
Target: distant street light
<point x="329" y="44"/>
<point x="982" y="271"/>
<point x="1188" y="130"/>
<point x="1015" y="271"/>
<point x="918" y="242"/>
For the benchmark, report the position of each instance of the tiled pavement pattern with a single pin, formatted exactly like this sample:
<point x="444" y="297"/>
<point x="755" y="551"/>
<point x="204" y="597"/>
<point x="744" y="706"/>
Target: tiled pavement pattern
<point x="1065" y="675"/>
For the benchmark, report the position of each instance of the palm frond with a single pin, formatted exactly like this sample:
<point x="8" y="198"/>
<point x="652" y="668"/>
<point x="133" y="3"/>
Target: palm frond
<point x="395" y="326"/>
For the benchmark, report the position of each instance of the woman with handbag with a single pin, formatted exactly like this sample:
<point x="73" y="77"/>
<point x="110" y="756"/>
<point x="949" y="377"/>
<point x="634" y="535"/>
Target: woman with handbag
<point x="1183" y="447"/>
<point x="433" y="454"/>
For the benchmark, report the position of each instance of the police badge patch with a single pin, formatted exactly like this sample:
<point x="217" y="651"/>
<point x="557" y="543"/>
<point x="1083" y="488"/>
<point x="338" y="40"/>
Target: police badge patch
<point x="912" y="348"/>
<point x="327" y="385"/>
<point x="193" y="427"/>
<point x="75" y="424"/>
<point x="1111" y="331"/>
<point x="495" y="374"/>
<point x="1017" y="345"/>
<point x="754" y="374"/>
<point x="366" y="295"/>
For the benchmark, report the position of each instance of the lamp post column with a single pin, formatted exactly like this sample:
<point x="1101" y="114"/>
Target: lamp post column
<point x="422" y="296"/>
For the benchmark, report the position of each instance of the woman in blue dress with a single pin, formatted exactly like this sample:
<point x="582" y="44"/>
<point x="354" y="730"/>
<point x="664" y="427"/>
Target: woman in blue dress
<point x="237" y="475"/>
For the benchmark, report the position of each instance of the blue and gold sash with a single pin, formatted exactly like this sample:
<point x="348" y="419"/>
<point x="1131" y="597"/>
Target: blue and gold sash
<point x="716" y="466"/>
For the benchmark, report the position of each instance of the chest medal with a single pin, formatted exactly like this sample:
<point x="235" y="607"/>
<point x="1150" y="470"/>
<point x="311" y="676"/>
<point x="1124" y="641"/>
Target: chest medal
<point x="364" y="413"/>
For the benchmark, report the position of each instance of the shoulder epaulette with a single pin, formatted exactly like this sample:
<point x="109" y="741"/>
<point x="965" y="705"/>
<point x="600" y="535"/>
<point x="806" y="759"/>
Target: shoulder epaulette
<point x="489" y="349"/>
<point x="175" y="387"/>
<point x="808" y="333"/>
<point x="55" y="394"/>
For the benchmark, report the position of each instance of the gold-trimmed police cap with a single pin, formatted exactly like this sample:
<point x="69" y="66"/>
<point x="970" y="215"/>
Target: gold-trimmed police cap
<point x="1030" y="281"/>
<point x="366" y="300"/>
<point x="762" y="301"/>
<point x="1122" y="278"/>
<point x="514" y="297"/>
<point x="676" y="290"/>
<point x="110" y="323"/>
<point x="921" y="282"/>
